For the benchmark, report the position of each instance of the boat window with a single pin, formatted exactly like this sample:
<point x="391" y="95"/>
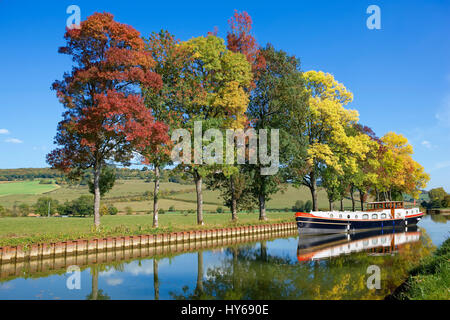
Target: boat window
<point x="331" y="215"/>
<point x="356" y="216"/>
<point x="365" y="216"/>
<point x="374" y="216"/>
<point x="383" y="216"/>
<point x="340" y="216"/>
<point x="348" y="217"/>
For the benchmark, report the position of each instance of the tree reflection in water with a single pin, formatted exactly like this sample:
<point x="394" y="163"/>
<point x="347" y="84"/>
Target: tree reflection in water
<point x="251" y="272"/>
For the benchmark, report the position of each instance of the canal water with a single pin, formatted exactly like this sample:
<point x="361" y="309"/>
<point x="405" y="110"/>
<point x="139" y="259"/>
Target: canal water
<point x="330" y="267"/>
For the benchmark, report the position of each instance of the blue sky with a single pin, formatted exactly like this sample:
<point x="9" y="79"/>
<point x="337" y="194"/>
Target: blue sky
<point x="399" y="75"/>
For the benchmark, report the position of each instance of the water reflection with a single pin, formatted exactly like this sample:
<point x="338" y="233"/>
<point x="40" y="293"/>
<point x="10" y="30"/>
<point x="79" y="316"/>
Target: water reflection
<point x="330" y="267"/>
<point x="373" y="241"/>
<point x="97" y="294"/>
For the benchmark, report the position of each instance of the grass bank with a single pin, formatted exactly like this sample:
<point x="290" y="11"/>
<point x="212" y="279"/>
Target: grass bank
<point x="30" y="230"/>
<point x="430" y="280"/>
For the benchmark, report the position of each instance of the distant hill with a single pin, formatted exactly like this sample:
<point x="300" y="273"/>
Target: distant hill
<point x="23" y="174"/>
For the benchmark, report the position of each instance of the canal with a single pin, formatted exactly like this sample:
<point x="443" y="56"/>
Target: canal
<point x="284" y="267"/>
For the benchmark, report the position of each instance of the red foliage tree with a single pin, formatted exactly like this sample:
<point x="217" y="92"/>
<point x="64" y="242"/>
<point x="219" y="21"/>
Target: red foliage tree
<point x="105" y="118"/>
<point x="240" y="39"/>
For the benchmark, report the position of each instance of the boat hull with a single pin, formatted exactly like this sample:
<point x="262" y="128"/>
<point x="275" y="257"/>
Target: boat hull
<point x="315" y="225"/>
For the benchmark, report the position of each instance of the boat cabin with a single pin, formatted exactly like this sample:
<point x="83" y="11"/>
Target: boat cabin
<point x="377" y="206"/>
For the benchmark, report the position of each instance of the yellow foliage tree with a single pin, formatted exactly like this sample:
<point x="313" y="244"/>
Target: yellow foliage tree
<point x="327" y="130"/>
<point x="397" y="171"/>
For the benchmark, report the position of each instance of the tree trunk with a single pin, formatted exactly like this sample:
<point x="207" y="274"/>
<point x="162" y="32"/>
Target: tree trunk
<point x="198" y="188"/>
<point x="97" y="171"/>
<point x="155" y="278"/>
<point x="156" y="197"/>
<point x="199" y="288"/>
<point x="94" y="293"/>
<point x="352" y="190"/>
<point x="331" y="204"/>
<point x="263" y="250"/>
<point x="361" y="198"/>
<point x="262" y="207"/>
<point x="342" y="204"/>
<point x="313" y="188"/>
<point x="233" y="200"/>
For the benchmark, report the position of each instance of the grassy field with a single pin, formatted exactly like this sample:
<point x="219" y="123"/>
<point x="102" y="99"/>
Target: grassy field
<point x="25" y="188"/>
<point x="130" y="193"/>
<point x="184" y="197"/>
<point x="27" y="230"/>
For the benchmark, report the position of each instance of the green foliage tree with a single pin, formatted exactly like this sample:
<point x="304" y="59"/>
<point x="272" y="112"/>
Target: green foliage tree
<point x="437" y="194"/>
<point x="45" y="205"/>
<point x="234" y="187"/>
<point x="106" y="180"/>
<point x="215" y="94"/>
<point x="82" y="206"/>
<point x="171" y="61"/>
<point x="277" y="102"/>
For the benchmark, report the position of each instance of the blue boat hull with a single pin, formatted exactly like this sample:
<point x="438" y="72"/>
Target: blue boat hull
<point x="312" y="225"/>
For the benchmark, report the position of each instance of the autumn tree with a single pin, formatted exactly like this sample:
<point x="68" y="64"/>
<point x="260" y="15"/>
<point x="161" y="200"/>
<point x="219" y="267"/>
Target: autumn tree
<point x="170" y="63"/>
<point x="232" y="179"/>
<point x="325" y="128"/>
<point x="105" y="118"/>
<point x="214" y="93"/>
<point x="278" y="101"/>
<point x="364" y="178"/>
<point x="398" y="173"/>
<point x="241" y="39"/>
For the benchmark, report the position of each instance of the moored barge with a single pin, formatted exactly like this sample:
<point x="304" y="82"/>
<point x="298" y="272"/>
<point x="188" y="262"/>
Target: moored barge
<point x="378" y="215"/>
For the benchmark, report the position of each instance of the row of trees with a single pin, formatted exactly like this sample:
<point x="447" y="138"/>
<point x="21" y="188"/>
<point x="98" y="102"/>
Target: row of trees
<point x="126" y="94"/>
<point x="439" y="198"/>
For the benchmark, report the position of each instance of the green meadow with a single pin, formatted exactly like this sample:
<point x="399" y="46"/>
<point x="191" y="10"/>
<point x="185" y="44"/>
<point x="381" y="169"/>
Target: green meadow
<point x="128" y="193"/>
<point x="25" y="188"/>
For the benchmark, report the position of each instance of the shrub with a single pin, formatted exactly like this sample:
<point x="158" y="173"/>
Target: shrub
<point x="299" y="206"/>
<point x="2" y="211"/>
<point x="161" y="211"/>
<point x="171" y="208"/>
<point x="24" y="209"/>
<point x="112" y="210"/>
<point x="308" y="206"/>
<point x="219" y="210"/>
<point x="128" y="211"/>
<point x="103" y="210"/>
<point x="191" y="211"/>
<point x="45" y="181"/>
